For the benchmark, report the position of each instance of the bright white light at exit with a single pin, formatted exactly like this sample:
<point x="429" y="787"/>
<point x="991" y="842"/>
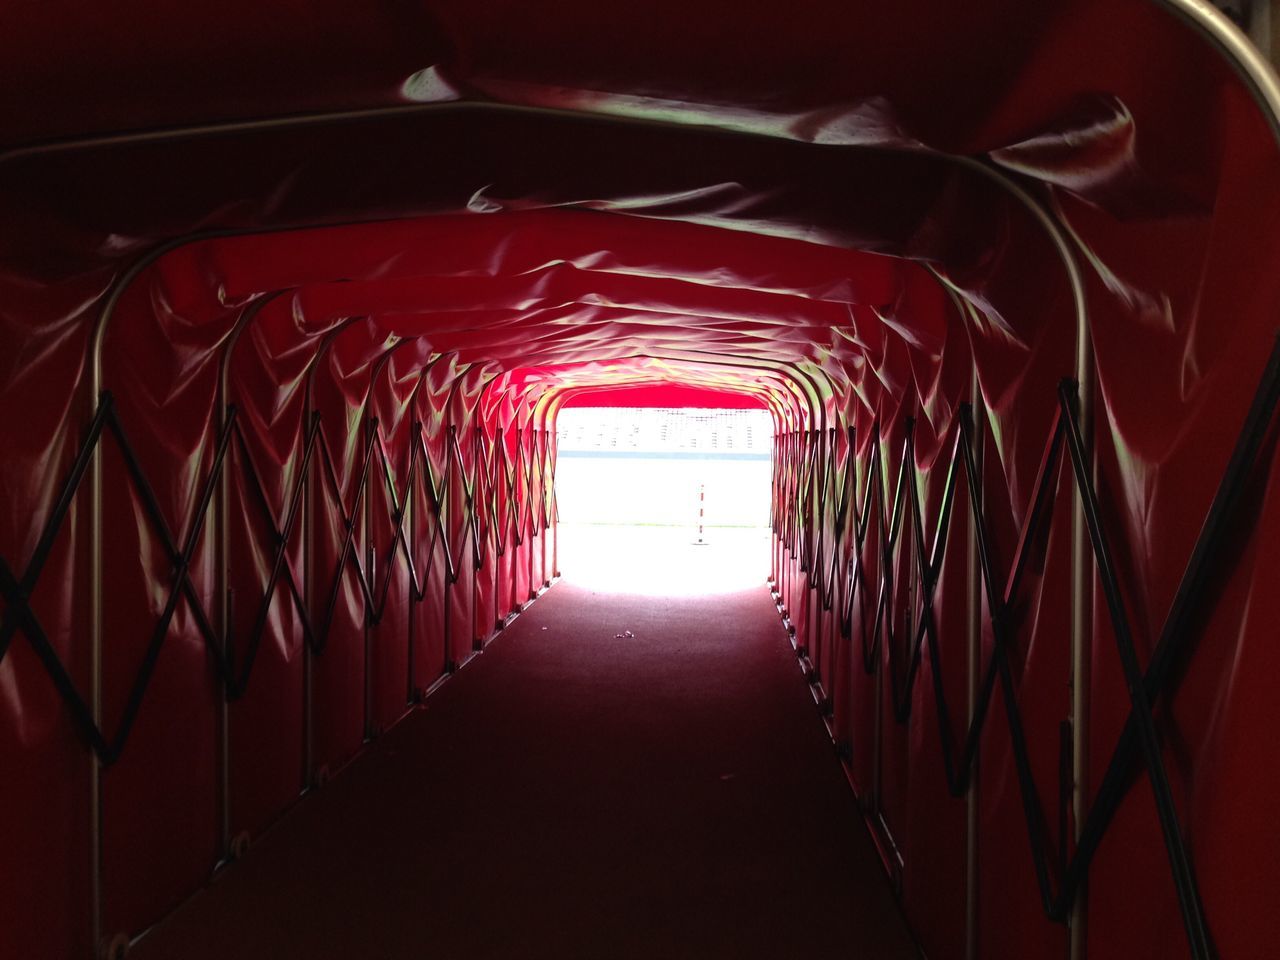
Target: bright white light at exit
<point x="634" y="486"/>
<point x="663" y="561"/>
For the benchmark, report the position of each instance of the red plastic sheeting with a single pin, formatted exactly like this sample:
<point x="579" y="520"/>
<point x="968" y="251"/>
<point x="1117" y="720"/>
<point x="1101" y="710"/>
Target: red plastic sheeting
<point x="335" y="348"/>
<point x="662" y="395"/>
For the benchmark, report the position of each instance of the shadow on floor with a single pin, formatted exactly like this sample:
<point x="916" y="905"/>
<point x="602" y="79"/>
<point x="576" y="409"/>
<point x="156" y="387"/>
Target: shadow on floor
<point x="575" y="794"/>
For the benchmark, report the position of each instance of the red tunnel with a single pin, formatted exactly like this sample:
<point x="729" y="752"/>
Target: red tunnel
<point x="291" y="295"/>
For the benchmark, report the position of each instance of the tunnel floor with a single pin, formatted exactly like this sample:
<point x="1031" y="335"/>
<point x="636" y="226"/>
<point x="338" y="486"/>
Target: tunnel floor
<point x="573" y="793"/>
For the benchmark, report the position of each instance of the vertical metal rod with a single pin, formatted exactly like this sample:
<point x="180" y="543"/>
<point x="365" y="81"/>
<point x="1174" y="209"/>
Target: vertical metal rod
<point x="813" y="615"/>
<point x="411" y="695"/>
<point x="366" y="520"/>
<point x="878" y="676"/>
<point x="775" y="488"/>
<point x="497" y="482"/>
<point x="974" y="644"/>
<point x="780" y="531"/>
<point x="95" y="648"/>
<point x="788" y="526"/>
<point x="788" y="556"/>
<point x="539" y="448"/>
<point x="542" y="498"/>
<point x="517" y="536"/>
<point x="1081" y="637"/>
<point x="447" y="594"/>
<point x="826" y="608"/>
<point x="528" y="492"/>
<point x="498" y="615"/>
<point x="910" y="476"/>
<point x="446" y="537"/>
<point x="553" y="446"/>
<point x="222" y="588"/>
<point x="477" y="639"/>
<point x="1053" y="224"/>
<point x="309" y="595"/>
<point x="788" y="519"/>
<point x="222" y="577"/>
<point x="773" y="510"/>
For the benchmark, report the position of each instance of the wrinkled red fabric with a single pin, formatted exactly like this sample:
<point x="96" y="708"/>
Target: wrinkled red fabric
<point x="527" y="207"/>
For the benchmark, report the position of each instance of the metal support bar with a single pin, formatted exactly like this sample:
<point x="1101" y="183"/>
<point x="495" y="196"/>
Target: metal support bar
<point x="973" y="650"/>
<point x="1081" y="635"/>
<point x="1139" y="739"/>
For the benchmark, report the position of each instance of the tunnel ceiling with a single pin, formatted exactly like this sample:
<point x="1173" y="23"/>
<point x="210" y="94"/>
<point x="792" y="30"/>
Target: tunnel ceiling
<point x="623" y="194"/>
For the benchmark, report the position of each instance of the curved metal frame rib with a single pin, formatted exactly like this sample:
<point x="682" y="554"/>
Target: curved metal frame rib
<point x="1198" y="14"/>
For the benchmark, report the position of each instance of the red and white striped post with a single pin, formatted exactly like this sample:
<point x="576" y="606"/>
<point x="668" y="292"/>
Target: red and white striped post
<point x="702" y="500"/>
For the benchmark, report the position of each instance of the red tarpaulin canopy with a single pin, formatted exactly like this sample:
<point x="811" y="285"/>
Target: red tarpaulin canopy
<point x="290" y="295"/>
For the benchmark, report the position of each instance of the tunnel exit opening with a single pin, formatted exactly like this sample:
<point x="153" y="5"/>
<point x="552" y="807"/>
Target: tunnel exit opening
<point x="664" y="500"/>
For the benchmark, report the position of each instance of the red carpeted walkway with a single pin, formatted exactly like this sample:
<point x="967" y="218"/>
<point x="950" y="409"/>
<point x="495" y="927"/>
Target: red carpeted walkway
<point x="571" y="794"/>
